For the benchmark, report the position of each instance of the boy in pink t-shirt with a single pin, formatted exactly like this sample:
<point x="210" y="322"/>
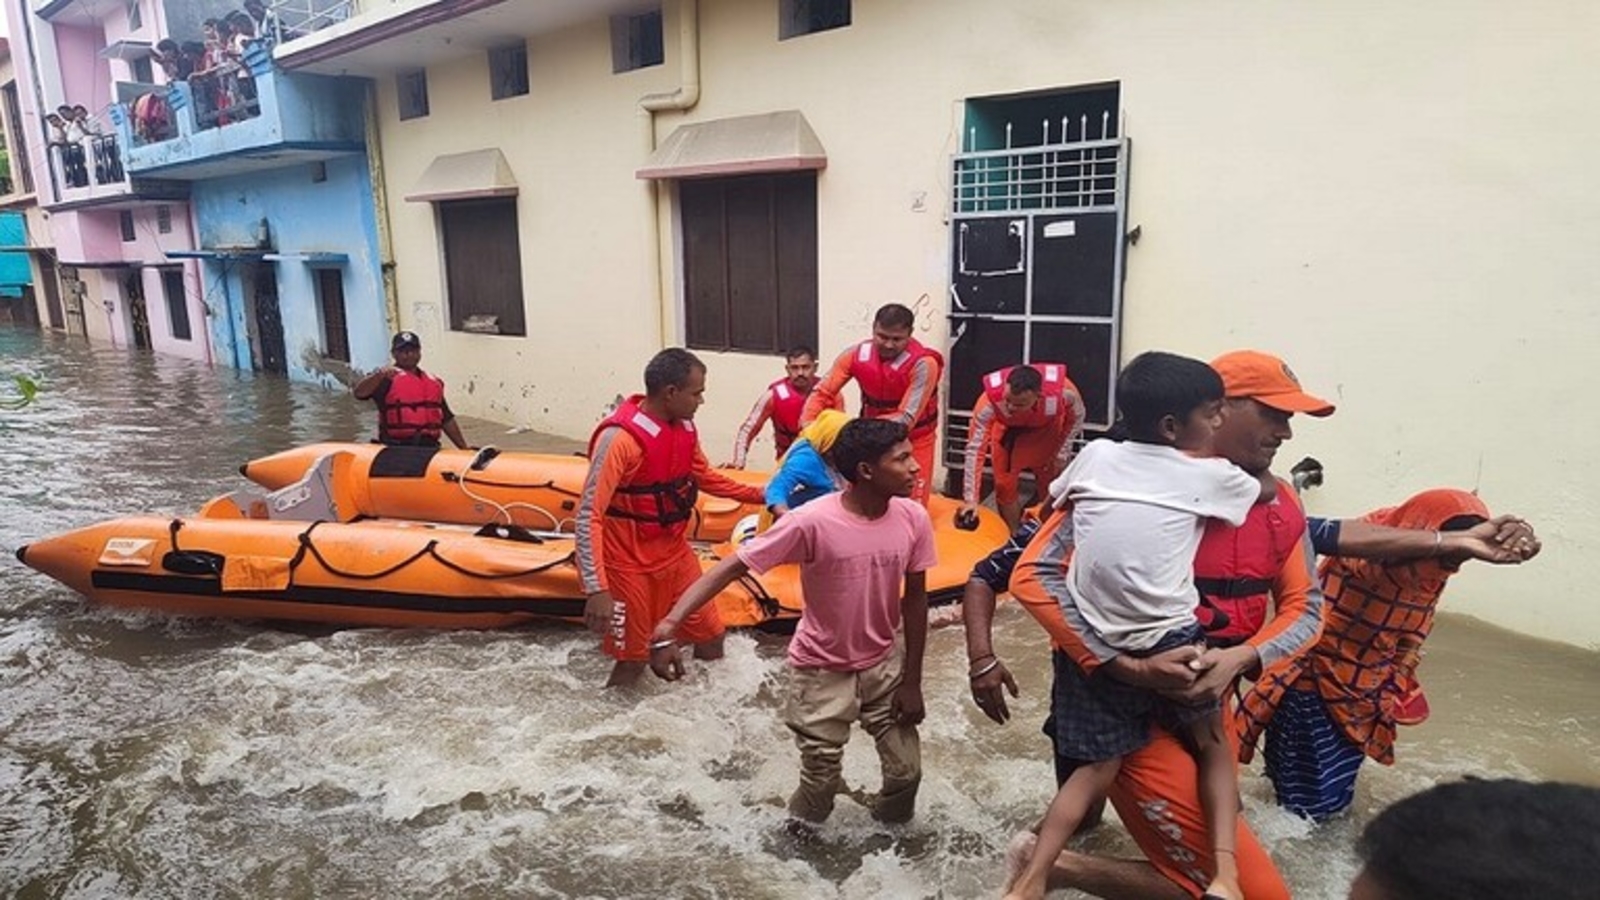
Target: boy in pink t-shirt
<point x="846" y="661"/>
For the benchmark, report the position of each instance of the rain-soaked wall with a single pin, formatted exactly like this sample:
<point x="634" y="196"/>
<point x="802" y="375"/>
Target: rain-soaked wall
<point x="1399" y="200"/>
<point x="311" y="222"/>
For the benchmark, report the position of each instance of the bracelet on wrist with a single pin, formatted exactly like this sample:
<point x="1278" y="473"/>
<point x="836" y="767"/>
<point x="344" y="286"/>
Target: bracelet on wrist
<point x="979" y="658"/>
<point x="662" y="644"/>
<point x="993" y="664"/>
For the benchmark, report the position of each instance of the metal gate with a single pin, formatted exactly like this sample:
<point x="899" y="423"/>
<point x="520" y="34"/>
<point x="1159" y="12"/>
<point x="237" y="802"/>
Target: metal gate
<point x="138" y="313"/>
<point x="263" y="279"/>
<point x="1036" y="242"/>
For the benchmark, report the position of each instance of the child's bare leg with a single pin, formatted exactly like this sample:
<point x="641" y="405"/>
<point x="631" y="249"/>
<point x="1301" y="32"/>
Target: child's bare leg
<point x="1219" y="797"/>
<point x="1080" y="792"/>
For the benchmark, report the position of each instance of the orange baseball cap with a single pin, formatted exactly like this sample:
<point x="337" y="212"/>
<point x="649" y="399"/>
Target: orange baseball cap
<point x="1267" y="379"/>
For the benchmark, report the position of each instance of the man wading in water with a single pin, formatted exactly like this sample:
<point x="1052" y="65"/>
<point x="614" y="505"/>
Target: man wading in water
<point x="847" y="660"/>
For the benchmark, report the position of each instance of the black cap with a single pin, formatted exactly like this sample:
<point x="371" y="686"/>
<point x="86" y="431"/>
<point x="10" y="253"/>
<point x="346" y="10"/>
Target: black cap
<point x="405" y="339"/>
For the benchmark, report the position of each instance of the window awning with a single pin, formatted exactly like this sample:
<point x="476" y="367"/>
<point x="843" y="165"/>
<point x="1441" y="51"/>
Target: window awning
<point x="126" y="50"/>
<point x="772" y="142"/>
<point x="465" y="176"/>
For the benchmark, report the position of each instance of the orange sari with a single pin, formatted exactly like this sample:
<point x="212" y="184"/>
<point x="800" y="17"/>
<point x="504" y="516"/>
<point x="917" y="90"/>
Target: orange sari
<point x="1377" y="615"/>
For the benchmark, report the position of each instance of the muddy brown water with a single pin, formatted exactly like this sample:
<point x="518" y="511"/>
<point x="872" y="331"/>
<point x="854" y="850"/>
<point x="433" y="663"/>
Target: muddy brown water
<point x="147" y="757"/>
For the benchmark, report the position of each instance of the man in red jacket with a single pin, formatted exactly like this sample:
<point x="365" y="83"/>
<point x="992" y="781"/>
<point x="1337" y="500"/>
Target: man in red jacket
<point x="899" y="380"/>
<point x="633" y="555"/>
<point x="411" y="407"/>
<point x="1236" y="570"/>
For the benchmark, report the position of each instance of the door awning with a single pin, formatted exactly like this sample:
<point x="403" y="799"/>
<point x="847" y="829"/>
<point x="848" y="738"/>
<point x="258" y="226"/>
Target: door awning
<point x="309" y="257"/>
<point x="772" y="142"/>
<point x="221" y="253"/>
<point x="465" y="176"/>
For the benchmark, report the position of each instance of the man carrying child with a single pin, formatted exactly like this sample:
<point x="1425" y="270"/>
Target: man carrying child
<point x="1138" y="509"/>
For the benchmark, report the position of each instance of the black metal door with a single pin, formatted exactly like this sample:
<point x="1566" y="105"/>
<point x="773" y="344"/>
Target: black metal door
<point x="1036" y="270"/>
<point x="269" y="321"/>
<point x="138" y="313"/>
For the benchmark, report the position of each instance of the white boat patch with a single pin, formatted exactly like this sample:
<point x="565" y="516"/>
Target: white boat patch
<point x="127" y="552"/>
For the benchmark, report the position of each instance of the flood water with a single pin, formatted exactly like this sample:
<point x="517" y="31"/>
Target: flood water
<point x="147" y="757"/>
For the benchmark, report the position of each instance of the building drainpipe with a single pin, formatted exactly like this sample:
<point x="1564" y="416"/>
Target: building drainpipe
<point x="200" y="277"/>
<point x="681" y="100"/>
<point x="380" y="210"/>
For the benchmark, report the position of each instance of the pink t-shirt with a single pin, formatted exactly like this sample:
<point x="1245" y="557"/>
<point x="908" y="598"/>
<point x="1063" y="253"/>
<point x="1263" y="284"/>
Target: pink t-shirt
<point x="851" y="573"/>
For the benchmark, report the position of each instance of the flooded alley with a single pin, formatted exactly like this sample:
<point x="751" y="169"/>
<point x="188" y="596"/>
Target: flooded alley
<point x="147" y="757"/>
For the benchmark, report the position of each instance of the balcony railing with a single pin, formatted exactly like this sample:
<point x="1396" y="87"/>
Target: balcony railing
<point x="94" y="161"/>
<point x="223" y="97"/>
<point x="233" y="117"/>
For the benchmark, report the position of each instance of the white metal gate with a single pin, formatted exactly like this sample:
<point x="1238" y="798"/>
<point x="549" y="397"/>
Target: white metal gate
<point x="1036" y="239"/>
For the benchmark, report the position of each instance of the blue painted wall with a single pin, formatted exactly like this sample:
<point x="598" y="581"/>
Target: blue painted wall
<point x="303" y="216"/>
<point x="14" y="269"/>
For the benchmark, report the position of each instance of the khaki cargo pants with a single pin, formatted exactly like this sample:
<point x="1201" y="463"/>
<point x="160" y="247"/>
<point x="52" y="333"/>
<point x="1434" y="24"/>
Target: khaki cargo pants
<point x="822" y="706"/>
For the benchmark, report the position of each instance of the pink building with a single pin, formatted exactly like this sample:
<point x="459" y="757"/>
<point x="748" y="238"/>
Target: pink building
<point x="106" y="236"/>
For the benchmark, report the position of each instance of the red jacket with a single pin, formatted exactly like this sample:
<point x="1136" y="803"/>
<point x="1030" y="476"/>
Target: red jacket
<point x="661" y="494"/>
<point x="412" y="409"/>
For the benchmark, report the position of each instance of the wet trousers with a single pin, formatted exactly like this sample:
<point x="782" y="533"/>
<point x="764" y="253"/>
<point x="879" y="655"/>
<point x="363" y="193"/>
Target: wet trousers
<point x="822" y="706"/>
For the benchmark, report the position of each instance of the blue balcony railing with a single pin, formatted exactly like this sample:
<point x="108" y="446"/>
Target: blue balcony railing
<point x="233" y="118"/>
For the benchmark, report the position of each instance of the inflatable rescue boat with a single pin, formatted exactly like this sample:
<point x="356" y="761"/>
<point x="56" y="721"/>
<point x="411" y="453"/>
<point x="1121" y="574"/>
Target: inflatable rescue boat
<point x="313" y="551"/>
<point x="472" y="487"/>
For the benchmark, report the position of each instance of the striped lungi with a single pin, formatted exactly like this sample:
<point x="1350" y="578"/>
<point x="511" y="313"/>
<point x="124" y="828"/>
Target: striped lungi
<point x="1311" y="763"/>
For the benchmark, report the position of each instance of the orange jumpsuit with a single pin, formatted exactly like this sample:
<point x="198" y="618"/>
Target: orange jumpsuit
<point x="917" y="409"/>
<point x="1157" y="793"/>
<point x="1042" y="442"/>
<point x="644" y="568"/>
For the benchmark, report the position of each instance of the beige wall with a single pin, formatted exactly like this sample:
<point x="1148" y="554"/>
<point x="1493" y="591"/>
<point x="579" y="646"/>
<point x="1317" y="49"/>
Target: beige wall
<point x="1400" y="199"/>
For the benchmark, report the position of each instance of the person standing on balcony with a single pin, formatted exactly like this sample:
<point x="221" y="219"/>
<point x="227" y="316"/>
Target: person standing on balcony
<point x="77" y="175"/>
<point x="269" y="28"/>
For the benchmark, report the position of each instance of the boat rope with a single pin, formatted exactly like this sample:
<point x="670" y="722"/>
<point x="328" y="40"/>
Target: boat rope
<point x="504" y="509"/>
<point x="430" y="549"/>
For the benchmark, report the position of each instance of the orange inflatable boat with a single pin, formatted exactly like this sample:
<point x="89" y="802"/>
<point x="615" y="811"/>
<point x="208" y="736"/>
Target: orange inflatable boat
<point x="471" y="487"/>
<point x="304" y="553"/>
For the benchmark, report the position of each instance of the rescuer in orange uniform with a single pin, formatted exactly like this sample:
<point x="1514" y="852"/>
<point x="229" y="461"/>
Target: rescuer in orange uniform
<point x="411" y="407"/>
<point x="645" y="471"/>
<point x="783" y="402"/>
<point x="1026" y="419"/>
<point x="899" y="380"/>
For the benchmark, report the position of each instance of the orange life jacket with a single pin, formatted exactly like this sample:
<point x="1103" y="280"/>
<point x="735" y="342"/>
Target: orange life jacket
<point x="884" y="384"/>
<point x="1058" y="393"/>
<point x="1234" y="567"/>
<point x="412" y="409"/>
<point x="660" y="496"/>
<point x="787" y="405"/>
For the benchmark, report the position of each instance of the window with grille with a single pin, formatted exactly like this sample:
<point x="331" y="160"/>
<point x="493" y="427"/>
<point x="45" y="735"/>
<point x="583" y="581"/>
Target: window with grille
<point x="164" y="219"/>
<point x="483" y="265"/>
<point x="508" y="71"/>
<point x="330" y="300"/>
<point x="802" y="17"/>
<point x="19" y="138"/>
<point x="412" y="88"/>
<point x="135" y="18"/>
<point x="177" y="304"/>
<point x="636" y="41"/>
<point x="126" y="220"/>
<point x="750" y="262"/>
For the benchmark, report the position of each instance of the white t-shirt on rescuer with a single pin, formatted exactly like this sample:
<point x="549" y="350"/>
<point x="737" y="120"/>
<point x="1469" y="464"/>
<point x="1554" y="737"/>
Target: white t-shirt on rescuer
<point x="1138" y="511"/>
